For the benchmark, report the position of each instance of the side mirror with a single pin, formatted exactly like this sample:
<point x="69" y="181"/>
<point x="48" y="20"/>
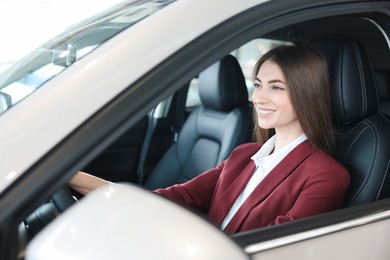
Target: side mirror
<point x="126" y="222"/>
<point x="64" y="57"/>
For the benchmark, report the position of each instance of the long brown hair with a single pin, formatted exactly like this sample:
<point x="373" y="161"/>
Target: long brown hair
<point x="306" y="75"/>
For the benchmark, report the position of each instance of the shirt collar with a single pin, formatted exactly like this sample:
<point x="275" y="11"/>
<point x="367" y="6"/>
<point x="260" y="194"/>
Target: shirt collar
<point x="267" y="147"/>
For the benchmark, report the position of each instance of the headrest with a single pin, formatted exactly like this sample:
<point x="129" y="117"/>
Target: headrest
<point x="353" y="89"/>
<point x="222" y="86"/>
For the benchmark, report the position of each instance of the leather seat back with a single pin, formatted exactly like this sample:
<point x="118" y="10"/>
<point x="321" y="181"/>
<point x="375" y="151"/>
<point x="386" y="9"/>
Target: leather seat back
<point x="362" y="133"/>
<point x="212" y="130"/>
<point x="382" y="78"/>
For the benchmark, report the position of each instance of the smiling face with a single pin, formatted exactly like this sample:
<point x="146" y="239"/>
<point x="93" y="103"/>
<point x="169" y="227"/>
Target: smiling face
<point x="272" y="102"/>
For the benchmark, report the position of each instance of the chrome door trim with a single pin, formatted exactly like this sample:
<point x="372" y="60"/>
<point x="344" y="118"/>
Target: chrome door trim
<point x="283" y="241"/>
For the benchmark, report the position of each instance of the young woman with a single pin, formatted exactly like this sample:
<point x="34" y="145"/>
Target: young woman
<point x="289" y="173"/>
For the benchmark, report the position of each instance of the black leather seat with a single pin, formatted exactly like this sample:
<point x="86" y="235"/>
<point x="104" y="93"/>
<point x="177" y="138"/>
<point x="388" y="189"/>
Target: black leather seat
<point x="212" y="130"/>
<point x="383" y="84"/>
<point x="362" y="133"/>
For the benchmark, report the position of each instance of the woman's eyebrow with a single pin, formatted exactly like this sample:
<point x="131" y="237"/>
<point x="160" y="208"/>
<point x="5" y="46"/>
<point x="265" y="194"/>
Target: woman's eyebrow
<point x="272" y="81"/>
<point x="276" y="81"/>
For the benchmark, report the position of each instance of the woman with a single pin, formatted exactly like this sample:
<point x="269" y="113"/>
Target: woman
<point x="288" y="174"/>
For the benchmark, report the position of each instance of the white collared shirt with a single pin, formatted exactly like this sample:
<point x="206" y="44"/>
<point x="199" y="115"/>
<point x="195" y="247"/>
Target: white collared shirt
<point x="264" y="162"/>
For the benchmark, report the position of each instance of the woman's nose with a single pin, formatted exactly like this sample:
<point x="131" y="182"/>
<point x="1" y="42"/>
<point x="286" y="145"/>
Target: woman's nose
<point x="259" y="96"/>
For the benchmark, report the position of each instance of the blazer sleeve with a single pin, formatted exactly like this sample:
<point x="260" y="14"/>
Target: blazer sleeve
<point x="196" y="193"/>
<point x="322" y="191"/>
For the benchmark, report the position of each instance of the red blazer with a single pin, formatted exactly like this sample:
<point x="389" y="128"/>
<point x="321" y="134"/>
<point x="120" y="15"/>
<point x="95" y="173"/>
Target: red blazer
<point x="305" y="183"/>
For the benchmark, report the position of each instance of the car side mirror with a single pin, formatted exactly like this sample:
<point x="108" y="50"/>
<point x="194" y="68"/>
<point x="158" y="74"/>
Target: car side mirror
<point x="127" y="222"/>
<point x="64" y="57"/>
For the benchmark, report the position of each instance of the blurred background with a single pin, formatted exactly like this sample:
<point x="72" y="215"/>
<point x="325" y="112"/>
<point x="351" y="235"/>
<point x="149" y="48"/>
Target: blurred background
<point x="25" y="24"/>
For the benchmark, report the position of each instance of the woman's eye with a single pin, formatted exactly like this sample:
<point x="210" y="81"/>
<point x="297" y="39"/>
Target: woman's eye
<point x="277" y="88"/>
<point x="257" y="85"/>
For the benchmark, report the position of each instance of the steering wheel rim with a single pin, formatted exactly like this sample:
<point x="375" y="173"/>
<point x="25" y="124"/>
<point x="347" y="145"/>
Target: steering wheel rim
<point x="63" y="199"/>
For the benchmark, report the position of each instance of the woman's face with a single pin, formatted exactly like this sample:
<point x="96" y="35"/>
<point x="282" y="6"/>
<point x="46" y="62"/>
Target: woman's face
<point x="271" y="99"/>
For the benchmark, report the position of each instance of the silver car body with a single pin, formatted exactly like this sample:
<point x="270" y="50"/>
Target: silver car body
<point x="76" y="94"/>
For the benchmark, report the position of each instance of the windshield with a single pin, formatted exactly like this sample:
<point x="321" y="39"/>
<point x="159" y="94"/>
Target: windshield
<point x="47" y="61"/>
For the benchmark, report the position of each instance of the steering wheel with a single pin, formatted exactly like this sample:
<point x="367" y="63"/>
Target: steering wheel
<point x="43" y="215"/>
<point x="63" y="199"/>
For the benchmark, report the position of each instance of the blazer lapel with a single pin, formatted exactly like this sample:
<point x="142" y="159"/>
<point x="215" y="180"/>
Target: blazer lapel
<point x="232" y="184"/>
<point x="270" y="183"/>
<point x="229" y="196"/>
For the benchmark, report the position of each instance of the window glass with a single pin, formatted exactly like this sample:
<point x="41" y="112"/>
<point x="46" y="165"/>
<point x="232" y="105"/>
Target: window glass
<point x="247" y="55"/>
<point x="47" y="61"/>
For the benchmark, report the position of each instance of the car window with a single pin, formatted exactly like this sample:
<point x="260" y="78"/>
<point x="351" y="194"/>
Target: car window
<point x="53" y="57"/>
<point x="247" y="55"/>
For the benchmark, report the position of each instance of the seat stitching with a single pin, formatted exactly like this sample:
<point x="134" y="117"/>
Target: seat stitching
<point x="388" y="161"/>
<point x="354" y="141"/>
<point x="361" y="78"/>
<point x="383" y="180"/>
<point x="368" y="177"/>
<point x="384" y="117"/>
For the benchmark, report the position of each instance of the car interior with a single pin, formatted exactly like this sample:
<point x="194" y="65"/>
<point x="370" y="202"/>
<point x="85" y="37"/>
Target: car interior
<point x="180" y="138"/>
<point x="213" y="129"/>
<point x="360" y="102"/>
